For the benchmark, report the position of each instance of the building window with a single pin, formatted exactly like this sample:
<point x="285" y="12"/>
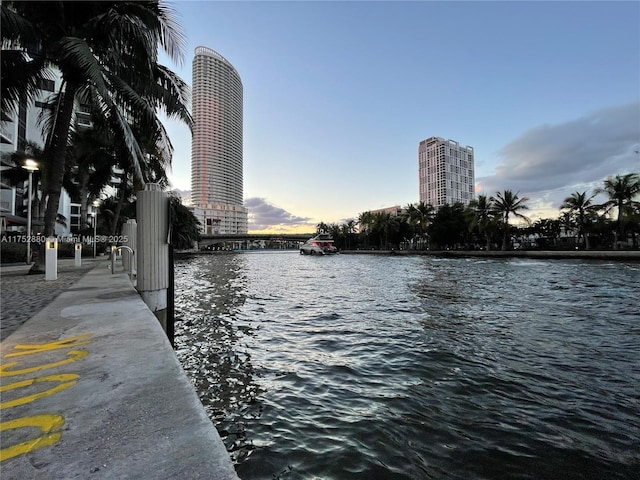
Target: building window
<point x="46" y="84"/>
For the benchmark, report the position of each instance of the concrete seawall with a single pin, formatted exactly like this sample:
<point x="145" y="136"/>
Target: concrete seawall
<point x="91" y="388"/>
<point x="626" y="255"/>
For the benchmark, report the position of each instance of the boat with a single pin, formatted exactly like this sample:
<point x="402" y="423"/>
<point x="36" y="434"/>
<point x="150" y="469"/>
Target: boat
<point x="321" y="244"/>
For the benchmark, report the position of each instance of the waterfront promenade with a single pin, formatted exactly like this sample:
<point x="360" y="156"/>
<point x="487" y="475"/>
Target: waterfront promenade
<point x="23" y="295"/>
<point x="91" y="387"/>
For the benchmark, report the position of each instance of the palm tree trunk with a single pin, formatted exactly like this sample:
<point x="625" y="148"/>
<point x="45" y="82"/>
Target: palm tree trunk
<point x="585" y="235"/>
<point x="122" y="195"/>
<point x="41" y="203"/>
<point x="618" y="235"/>
<point x="84" y="198"/>
<point x="505" y="237"/>
<point x="56" y="157"/>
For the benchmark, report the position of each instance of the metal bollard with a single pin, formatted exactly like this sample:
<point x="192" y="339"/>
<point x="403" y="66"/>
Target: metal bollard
<point x="113" y="259"/>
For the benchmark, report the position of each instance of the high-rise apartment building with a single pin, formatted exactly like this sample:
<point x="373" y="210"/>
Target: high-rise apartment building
<point x="17" y="129"/>
<point x="216" y="149"/>
<point x="445" y="172"/>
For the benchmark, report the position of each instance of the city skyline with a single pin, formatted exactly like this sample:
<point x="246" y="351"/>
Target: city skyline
<point x="338" y="95"/>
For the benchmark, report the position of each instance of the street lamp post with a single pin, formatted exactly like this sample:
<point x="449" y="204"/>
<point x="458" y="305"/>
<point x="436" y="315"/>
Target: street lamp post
<point x="31" y="166"/>
<point x="95" y="225"/>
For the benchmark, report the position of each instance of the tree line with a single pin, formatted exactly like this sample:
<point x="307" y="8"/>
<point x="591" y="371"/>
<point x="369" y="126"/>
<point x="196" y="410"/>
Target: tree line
<point x="106" y="54"/>
<point x="486" y="223"/>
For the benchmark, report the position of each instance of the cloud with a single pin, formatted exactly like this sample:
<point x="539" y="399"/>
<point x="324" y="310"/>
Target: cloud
<point x="549" y="162"/>
<point x="264" y="216"/>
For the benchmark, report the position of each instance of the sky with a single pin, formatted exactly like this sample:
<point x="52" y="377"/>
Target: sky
<point x="337" y="96"/>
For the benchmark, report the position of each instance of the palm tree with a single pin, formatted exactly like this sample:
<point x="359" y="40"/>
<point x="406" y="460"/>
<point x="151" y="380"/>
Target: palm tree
<point x="547" y="231"/>
<point x="420" y="216"/>
<point x="567" y="223"/>
<point x="385" y="224"/>
<point x="580" y="206"/>
<point x="105" y="49"/>
<point x="322" y="228"/>
<point x="483" y="217"/>
<point x="90" y="159"/>
<point x="365" y="221"/>
<point x="505" y="204"/>
<point x="449" y="226"/>
<point x="185" y="227"/>
<point x="347" y="230"/>
<point x="156" y="161"/>
<point x="336" y="233"/>
<point x="622" y="191"/>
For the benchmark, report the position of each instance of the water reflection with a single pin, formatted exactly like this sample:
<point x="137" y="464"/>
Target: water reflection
<point x="387" y="367"/>
<point x="209" y="343"/>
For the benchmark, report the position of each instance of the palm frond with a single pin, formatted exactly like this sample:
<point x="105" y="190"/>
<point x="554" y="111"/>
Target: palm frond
<point x="174" y="95"/>
<point x="159" y="18"/>
<point x="77" y="58"/>
<point x="16" y="29"/>
<point x="21" y="77"/>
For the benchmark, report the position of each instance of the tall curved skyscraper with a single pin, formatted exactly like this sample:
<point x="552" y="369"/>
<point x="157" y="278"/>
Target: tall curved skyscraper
<point x="216" y="148"/>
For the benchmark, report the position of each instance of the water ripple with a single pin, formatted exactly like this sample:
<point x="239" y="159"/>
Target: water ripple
<point x="391" y="367"/>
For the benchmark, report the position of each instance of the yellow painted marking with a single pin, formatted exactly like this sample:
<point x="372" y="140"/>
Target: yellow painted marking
<point x="46" y="423"/>
<point x="74" y="354"/>
<point x="66" y="380"/>
<point x="30" y="349"/>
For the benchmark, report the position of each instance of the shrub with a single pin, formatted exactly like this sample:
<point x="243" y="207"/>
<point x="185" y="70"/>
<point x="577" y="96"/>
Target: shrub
<point x="13" y="252"/>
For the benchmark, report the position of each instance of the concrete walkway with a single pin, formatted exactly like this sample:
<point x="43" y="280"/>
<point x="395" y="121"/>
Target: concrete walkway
<point x="23" y="295"/>
<point x="91" y="388"/>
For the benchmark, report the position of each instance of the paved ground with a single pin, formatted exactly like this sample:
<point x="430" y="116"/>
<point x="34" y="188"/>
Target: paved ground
<point x="91" y="387"/>
<point x="23" y="295"/>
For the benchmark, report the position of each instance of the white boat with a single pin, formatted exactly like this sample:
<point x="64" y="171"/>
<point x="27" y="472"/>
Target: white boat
<point x="321" y="244"/>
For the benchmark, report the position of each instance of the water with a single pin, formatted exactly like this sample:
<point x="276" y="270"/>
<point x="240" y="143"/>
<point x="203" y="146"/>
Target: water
<point x="373" y="367"/>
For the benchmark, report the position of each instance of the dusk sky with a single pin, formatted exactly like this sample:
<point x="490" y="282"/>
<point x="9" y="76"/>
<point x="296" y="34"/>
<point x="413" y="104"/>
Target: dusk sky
<point x="337" y="96"/>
